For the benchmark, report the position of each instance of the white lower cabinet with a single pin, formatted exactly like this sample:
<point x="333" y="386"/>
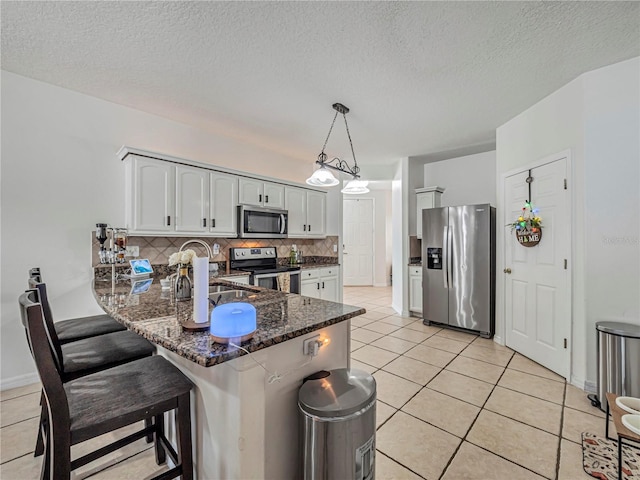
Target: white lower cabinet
<point x="415" y="289"/>
<point x="323" y="283"/>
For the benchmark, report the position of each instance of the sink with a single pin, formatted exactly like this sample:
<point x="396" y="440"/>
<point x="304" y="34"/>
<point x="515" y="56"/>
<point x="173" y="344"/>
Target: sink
<point x="217" y="288"/>
<point x="220" y="288"/>
<point x="226" y="296"/>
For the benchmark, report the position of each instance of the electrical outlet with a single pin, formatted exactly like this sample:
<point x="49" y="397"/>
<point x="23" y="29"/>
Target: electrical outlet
<point x="310" y="345"/>
<point x="335" y="249"/>
<point x="132" y="251"/>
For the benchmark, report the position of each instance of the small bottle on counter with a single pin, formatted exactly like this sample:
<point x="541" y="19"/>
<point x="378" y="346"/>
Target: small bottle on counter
<point x="183" y="285"/>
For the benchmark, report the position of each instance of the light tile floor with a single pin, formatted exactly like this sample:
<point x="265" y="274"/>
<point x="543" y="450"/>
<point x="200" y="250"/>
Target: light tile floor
<point x="451" y="406"/>
<point x="455" y="406"/>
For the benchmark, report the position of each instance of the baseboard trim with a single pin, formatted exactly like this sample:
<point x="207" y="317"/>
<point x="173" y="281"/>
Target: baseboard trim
<point x="498" y="340"/>
<point x="19" y="381"/>
<point x="381" y="284"/>
<point x="582" y="384"/>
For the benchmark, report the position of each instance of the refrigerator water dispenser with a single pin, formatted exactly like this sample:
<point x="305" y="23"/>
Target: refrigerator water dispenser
<point x="434" y="258"/>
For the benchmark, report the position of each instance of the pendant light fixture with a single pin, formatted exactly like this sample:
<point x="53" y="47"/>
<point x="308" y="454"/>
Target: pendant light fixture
<point x="323" y="177"/>
<point x="356" y="187"/>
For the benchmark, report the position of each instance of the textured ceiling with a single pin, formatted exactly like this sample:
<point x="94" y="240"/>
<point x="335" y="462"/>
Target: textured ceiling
<point x="419" y="77"/>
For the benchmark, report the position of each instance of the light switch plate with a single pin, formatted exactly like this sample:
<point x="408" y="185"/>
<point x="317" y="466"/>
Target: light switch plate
<point x="335" y="249"/>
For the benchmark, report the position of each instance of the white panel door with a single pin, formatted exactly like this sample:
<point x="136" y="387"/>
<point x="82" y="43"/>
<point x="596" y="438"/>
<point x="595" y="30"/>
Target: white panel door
<point x="316" y="213"/>
<point x="153" y="187"/>
<point x="358" y="241"/>
<point x="537" y="279"/>
<point x="296" y="205"/>
<point x="192" y="199"/>
<point x="223" y="201"/>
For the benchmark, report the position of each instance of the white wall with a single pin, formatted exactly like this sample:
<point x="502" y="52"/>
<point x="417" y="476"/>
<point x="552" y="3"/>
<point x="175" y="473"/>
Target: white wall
<point x="400" y="236"/>
<point x="414" y="179"/>
<point x="60" y="175"/>
<point x="467" y="180"/>
<point x="595" y="118"/>
<point x="612" y="198"/>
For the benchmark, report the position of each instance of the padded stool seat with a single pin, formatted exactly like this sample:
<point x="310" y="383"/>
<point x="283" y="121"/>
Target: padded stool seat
<point x="86" y="327"/>
<point x="100" y="402"/>
<point x="93" y="354"/>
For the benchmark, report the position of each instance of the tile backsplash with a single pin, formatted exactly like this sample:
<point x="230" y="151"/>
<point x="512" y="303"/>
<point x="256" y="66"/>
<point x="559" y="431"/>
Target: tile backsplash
<point x="158" y="249"/>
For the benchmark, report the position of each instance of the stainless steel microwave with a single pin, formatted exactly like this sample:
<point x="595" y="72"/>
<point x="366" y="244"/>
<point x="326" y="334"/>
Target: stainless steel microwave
<point x="260" y="222"/>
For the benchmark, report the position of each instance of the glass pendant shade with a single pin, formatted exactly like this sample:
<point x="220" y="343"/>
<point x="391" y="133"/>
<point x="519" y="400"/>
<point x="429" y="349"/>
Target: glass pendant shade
<point x="322" y="178"/>
<point x="356" y="187"/>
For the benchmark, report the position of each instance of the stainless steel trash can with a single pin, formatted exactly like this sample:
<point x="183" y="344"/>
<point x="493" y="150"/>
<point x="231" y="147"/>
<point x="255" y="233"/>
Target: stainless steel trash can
<point x="618" y="360"/>
<point x="337" y="411"/>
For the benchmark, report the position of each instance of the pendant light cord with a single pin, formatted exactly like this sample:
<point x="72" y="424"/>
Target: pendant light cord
<point x="330" y="129"/>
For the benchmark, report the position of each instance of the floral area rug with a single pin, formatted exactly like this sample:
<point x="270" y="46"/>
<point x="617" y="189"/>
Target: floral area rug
<point x="600" y="458"/>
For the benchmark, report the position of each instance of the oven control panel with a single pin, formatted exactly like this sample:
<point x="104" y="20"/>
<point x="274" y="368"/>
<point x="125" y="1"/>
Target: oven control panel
<point x="253" y="253"/>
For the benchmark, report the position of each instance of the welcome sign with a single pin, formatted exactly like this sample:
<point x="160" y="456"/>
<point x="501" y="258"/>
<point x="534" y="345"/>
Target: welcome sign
<point x="529" y="238"/>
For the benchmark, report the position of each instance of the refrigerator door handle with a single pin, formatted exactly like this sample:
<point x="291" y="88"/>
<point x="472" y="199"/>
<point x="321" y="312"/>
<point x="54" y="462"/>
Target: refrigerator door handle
<point x="450" y="255"/>
<point x="445" y="255"/>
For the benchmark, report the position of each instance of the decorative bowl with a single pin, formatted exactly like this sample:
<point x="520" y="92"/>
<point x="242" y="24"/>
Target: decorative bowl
<point x="629" y="404"/>
<point x="632" y="422"/>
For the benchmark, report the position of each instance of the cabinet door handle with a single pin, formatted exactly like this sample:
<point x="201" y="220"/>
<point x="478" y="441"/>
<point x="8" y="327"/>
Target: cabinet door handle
<point x="305" y="227"/>
<point x="318" y="286"/>
<point x="213" y="223"/>
<point x="309" y="227"/>
<point x="260" y="197"/>
<point x="266" y="198"/>
<point x="323" y="285"/>
<point x="168" y="220"/>
<point x="204" y="222"/>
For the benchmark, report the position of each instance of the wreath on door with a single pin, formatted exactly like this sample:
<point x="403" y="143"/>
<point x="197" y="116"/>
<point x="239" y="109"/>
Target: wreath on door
<point x="528" y="226"/>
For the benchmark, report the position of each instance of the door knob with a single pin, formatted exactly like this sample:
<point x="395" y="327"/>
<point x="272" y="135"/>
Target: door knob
<point x="507" y="270"/>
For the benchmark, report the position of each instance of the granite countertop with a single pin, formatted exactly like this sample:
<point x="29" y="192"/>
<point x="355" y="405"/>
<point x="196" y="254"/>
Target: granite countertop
<point x="152" y="314"/>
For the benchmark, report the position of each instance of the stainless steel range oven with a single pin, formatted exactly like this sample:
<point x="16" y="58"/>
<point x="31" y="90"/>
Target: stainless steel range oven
<point x="262" y="264"/>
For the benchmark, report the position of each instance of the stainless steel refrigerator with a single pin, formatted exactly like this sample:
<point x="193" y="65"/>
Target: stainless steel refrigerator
<point x="458" y="267"/>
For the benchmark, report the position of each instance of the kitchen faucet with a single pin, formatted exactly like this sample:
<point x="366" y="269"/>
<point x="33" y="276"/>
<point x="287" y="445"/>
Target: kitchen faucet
<point x="199" y="242"/>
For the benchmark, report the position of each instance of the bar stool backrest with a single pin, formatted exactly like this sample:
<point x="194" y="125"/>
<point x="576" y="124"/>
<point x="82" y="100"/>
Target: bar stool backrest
<point x="33" y="318"/>
<point x="54" y="342"/>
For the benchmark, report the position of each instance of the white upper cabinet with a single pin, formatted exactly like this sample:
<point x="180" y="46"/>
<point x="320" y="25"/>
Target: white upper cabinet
<point x="260" y="193"/>
<point x="176" y="197"/>
<point x="316" y="214"/>
<point x="295" y="201"/>
<point x="428" y="197"/>
<point x="273" y="195"/>
<point x="192" y="199"/>
<point x="223" y="200"/>
<point x="149" y="194"/>
<point x="307" y="212"/>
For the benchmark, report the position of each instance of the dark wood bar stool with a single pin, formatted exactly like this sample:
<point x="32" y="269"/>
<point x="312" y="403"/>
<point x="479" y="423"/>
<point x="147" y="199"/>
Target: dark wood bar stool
<point x="102" y="402"/>
<point x="76" y="328"/>
<point x="89" y="355"/>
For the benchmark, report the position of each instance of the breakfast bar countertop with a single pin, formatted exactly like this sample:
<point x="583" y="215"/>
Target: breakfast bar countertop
<point x="280" y="317"/>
